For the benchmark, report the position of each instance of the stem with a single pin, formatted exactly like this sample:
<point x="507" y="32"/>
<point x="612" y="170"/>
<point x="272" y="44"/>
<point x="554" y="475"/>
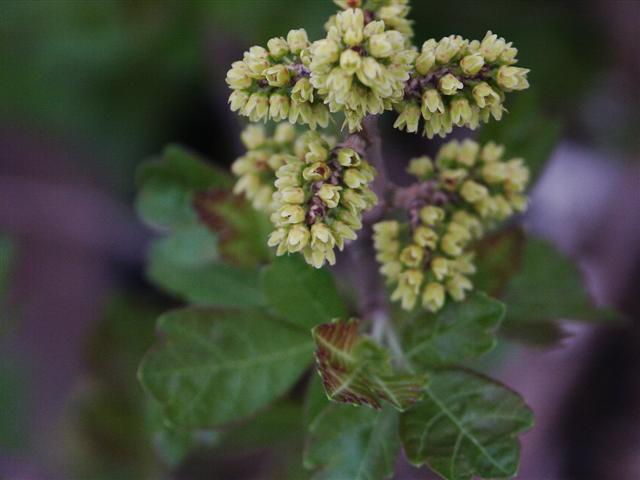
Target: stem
<point x="372" y="297"/>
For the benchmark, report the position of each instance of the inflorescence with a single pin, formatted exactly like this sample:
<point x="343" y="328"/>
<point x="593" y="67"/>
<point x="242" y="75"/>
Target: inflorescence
<point x="316" y="191"/>
<point x="461" y="83"/>
<point x="320" y="197"/>
<point x="466" y="190"/>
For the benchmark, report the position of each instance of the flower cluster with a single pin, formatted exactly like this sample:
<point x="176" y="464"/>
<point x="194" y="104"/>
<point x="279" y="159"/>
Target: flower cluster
<point x="392" y="12"/>
<point x="465" y="190"/>
<point x="320" y="197"/>
<point x="273" y="83"/>
<point x="256" y="168"/>
<point x="458" y="82"/>
<point x="360" y="68"/>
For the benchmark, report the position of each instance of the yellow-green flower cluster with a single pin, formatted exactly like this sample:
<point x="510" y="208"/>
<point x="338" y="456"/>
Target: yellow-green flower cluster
<point x="476" y="177"/>
<point x="265" y="154"/>
<point x="392" y="12"/>
<point x="465" y="190"/>
<point x="459" y="82"/>
<point x="320" y="197"/>
<point x="360" y="68"/>
<point x="273" y="83"/>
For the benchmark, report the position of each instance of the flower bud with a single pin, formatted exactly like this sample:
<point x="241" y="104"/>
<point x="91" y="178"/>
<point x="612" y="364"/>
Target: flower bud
<point x="298" y="238"/>
<point x="278" y="47"/>
<point x="238" y="99"/>
<point x="354" y="178"/>
<point x="425" y="237"/>
<point x="440" y="267"/>
<point x="433" y="297"/>
<point x="431" y="102"/>
<point x="347" y="157"/>
<point x="253" y="136"/>
<point x="277" y="75"/>
<point x="468" y="152"/>
<point x="448" y="47"/>
<point x="409" y="117"/>
<point x="291" y="214"/>
<point x="457" y="285"/>
<point x="471" y="64"/>
<point x="350" y="61"/>
<point x="449" y="84"/>
<point x="297" y="40"/>
<point x="431" y="215"/>
<point x="421" y="167"/>
<point x="473" y="192"/>
<point x="316" y="171"/>
<point x="512" y="78"/>
<point x="293" y="195"/>
<point x="284" y="133"/>
<point x="380" y="46"/>
<point x="412" y="256"/>
<point x="484" y="95"/>
<point x="257" y="107"/>
<point x="460" y="111"/>
<point x="330" y="195"/>
<point x="425" y="61"/>
<point x="278" y="107"/>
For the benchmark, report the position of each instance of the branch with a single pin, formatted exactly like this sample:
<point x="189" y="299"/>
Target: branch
<point x="372" y="297"/>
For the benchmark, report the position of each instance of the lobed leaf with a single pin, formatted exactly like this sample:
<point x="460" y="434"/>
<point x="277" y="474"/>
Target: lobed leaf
<point x="166" y="187"/>
<point x="465" y="426"/>
<point x="548" y="286"/>
<point x="218" y="366"/>
<point x="196" y="276"/>
<point x="458" y="332"/>
<point x="301" y="294"/>
<point x="355" y="443"/>
<point x="356" y="370"/>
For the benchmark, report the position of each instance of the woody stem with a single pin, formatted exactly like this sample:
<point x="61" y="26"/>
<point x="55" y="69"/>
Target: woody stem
<point x="373" y="301"/>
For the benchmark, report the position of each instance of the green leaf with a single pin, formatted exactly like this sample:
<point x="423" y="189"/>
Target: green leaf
<point x="465" y="426"/>
<point x="497" y="259"/>
<point x="354" y="369"/>
<point x="242" y="230"/>
<point x="214" y="366"/>
<point x="197" y="277"/>
<point x="167" y="187"/>
<point x="351" y="443"/>
<point x="547" y="287"/>
<point x="460" y="331"/>
<point x="303" y="295"/>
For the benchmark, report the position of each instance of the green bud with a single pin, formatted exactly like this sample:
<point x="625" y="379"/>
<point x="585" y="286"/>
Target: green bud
<point x="278" y="107"/>
<point x="238" y="76"/>
<point x="253" y="136"/>
<point x="431" y="102"/>
<point x="409" y="118"/>
<point x="291" y="214"/>
<point x="354" y="178"/>
<point x="473" y="192"/>
<point x="449" y="47"/>
<point x="431" y="215"/>
<point x="449" y="84"/>
<point x="433" y="297"/>
<point x="425" y="61"/>
<point x="316" y="171"/>
<point x="278" y="47"/>
<point x="238" y="99"/>
<point x="277" y="75"/>
<point x="330" y="194"/>
<point x="257" y="107"/>
<point x="425" y="237"/>
<point x="457" y="286"/>
<point x="347" y="157"/>
<point x="471" y="64"/>
<point x="440" y="267"/>
<point x="380" y="45"/>
<point x="350" y="61"/>
<point x="484" y="95"/>
<point x="285" y="133"/>
<point x="421" y="167"/>
<point x="468" y="152"/>
<point x="512" y="78"/>
<point x="293" y="195"/>
<point x="460" y="111"/>
<point x="297" y="40"/>
<point x="412" y="256"/>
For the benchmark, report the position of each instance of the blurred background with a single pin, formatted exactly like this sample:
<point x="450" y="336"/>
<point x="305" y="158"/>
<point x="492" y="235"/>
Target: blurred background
<point x="89" y="89"/>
